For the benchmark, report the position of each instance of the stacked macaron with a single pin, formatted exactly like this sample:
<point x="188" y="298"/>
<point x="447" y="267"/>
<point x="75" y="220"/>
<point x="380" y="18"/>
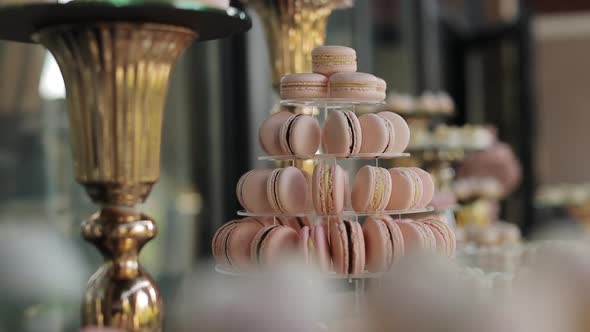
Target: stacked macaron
<point x="286" y="133"/>
<point x="377" y="189"/>
<point x="334" y="76"/>
<point x="333" y="245"/>
<point x="281" y="191"/>
<point x="344" y="133"/>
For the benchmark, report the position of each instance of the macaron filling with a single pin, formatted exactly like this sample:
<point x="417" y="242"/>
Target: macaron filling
<point x="390" y="235"/>
<point x="379" y="190"/>
<point x="414" y="188"/>
<point x="327" y="59"/>
<point x="350" y="131"/>
<point x="348" y="227"/>
<point x="261" y="240"/>
<point x="390" y="130"/>
<point x="327" y="191"/>
<point x="274" y="180"/>
<point x="288" y="132"/>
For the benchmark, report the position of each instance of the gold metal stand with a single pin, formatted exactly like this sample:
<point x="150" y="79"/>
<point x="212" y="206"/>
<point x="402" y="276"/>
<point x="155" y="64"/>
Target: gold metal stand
<point x="116" y="61"/>
<point x="116" y="76"/>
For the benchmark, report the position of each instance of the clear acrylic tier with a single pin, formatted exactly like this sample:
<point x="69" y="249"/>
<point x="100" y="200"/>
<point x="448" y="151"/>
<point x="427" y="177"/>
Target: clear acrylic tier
<point x="329" y="275"/>
<point x="344" y="214"/>
<point x="331" y="156"/>
<point x="330" y="103"/>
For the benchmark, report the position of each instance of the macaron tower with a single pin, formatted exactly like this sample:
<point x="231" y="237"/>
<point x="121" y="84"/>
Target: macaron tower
<point x="339" y="224"/>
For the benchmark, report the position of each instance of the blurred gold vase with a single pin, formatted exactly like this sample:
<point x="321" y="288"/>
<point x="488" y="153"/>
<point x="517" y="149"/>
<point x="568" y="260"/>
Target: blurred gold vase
<point x="116" y="76"/>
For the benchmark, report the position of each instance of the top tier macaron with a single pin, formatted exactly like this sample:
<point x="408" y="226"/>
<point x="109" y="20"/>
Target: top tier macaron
<point x="334" y="76"/>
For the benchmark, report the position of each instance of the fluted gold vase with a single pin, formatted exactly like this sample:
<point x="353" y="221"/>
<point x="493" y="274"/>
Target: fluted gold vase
<point x="116" y="76"/>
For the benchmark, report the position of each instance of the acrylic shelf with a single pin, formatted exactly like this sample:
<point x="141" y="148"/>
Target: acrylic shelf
<point x="344" y="214"/>
<point x="330" y="103"/>
<point x="329" y="275"/>
<point x="337" y="156"/>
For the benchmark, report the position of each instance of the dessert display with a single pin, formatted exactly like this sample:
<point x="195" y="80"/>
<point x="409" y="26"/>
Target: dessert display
<point x="335" y="245"/>
<point x="334" y="76"/>
<point x="468" y="137"/>
<point x="428" y="103"/>
<point x="319" y="218"/>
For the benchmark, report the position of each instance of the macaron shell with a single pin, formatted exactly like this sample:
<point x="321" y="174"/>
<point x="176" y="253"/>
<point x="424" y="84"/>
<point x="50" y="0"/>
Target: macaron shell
<point x="375" y="133"/>
<point x="358" y="248"/>
<point x="403" y="191"/>
<point x="428" y="235"/>
<point x="397" y="236"/>
<point x="219" y="240"/>
<point x="418" y="186"/>
<point x="339" y="245"/>
<point x="387" y="187"/>
<point x="328" y="189"/>
<point x="363" y="188"/>
<point x="303" y="85"/>
<point x="238" y="243"/>
<point x="300" y="135"/>
<point x="251" y="191"/>
<point x="391" y="141"/>
<point x="352" y="86"/>
<point x="341" y="133"/>
<point x="329" y="59"/>
<point x="304" y="244"/>
<point x="268" y="134"/>
<point x="442" y="238"/>
<point x="401" y="128"/>
<point x="287" y="191"/>
<point x="279" y="242"/>
<point x="378" y="245"/>
<point x="427" y="186"/>
<point x="413" y="236"/>
<point x="321" y="247"/>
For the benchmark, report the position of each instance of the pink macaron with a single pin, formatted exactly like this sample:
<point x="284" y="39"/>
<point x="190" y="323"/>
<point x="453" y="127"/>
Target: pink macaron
<point x="304" y="244"/>
<point x="287" y="191"/>
<point x="449" y="242"/>
<point x="341" y="134"/>
<point x="304" y="86"/>
<point x="358" y="86"/>
<point x="414" y="237"/>
<point x="320" y="251"/>
<point x="381" y="89"/>
<point x="378" y="134"/>
<point x="273" y="243"/>
<point x="300" y="135"/>
<point x="383" y="243"/>
<point x="251" y="191"/>
<point x="371" y="189"/>
<point x="268" y="133"/>
<point x="328" y="189"/>
<point x="427" y="187"/>
<point x="347" y="246"/>
<point x="329" y="59"/>
<point x="407" y="192"/>
<point x="401" y="129"/>
<point x="231" y="242"/>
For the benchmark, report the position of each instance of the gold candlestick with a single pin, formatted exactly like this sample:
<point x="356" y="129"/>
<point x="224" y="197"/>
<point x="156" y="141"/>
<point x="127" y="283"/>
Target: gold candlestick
<point x="116" y="59"/>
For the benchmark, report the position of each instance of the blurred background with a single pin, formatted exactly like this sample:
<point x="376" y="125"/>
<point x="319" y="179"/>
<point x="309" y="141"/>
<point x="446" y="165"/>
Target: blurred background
<point x="518" y="66"/>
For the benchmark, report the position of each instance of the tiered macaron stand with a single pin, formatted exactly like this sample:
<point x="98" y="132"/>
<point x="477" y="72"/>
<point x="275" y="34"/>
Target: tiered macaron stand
<point x="116" y="59"/>
<point x="320" y="108"/>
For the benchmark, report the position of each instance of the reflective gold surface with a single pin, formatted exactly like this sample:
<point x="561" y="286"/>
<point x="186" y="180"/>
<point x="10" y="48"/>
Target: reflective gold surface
<point x="116" y="77"/>
<point x="120" y="294"/>
<point x="293" y="29"/>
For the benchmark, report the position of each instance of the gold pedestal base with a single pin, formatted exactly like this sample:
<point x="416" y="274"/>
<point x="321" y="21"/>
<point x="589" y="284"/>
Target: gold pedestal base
<point x="120" y="293"/>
